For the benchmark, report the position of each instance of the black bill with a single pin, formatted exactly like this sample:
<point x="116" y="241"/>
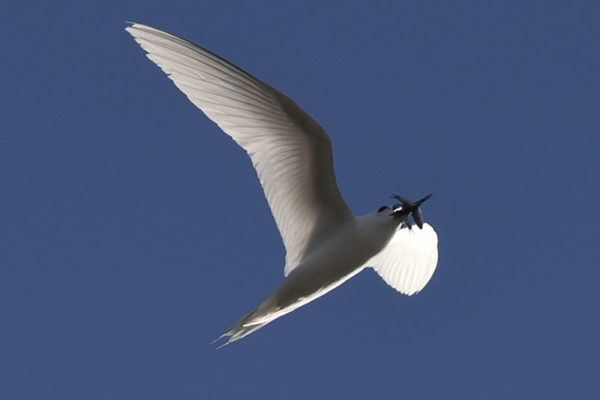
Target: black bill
<point x="408" y="208"/>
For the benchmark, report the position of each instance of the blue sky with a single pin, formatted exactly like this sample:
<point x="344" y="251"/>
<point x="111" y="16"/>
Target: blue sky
<point x="133" y="232"/>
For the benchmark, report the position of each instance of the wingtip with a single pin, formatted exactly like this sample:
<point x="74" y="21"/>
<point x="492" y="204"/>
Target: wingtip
<point x="227" y="335"/>
<point x="131" y="27"/>
<point x="221" y="345"/>
<point x="130" y="24"/>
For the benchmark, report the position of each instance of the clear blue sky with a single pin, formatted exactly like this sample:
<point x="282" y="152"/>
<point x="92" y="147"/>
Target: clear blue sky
<point x="133" y="232"/>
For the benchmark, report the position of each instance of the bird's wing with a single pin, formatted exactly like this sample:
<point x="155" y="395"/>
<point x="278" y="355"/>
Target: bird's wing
<point x="409" y="259"/>
<point x="290" y="151"/>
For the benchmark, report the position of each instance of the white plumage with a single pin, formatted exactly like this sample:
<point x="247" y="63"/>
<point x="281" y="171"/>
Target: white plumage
<point x="325" y="243"/>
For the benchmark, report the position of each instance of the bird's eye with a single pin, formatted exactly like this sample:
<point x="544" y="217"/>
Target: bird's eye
<point x="382" y="208"/>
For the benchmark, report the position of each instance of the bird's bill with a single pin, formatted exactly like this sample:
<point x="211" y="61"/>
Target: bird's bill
<point x="407" y="208"/>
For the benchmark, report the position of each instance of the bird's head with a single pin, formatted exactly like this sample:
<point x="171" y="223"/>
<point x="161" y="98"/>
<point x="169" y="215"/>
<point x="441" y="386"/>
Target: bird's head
<point x="405" y="209"/>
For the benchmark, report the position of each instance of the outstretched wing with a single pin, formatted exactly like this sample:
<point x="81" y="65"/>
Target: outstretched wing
<point x="289" y="150"/>
<point x="409" y="259"/>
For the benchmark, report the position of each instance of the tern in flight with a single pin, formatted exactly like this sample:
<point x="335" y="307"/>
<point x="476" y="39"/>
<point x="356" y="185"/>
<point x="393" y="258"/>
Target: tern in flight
<point x="325" y="243"/>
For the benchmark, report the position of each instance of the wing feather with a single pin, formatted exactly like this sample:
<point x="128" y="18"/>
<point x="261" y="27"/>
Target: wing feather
<point x="290" y="151"/>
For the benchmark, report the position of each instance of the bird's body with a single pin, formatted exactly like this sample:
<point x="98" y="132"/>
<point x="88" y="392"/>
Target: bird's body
<point x="326" y="244"/>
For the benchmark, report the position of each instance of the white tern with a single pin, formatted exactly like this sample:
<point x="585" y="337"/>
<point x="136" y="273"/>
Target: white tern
<point x="325" y="243"/>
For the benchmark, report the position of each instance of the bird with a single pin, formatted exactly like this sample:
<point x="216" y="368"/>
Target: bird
<point x="325" y="243"/>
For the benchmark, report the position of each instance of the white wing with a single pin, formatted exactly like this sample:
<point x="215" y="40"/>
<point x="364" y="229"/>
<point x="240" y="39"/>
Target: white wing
<point x="289" y="150"/>
<point x="409" y="259"/>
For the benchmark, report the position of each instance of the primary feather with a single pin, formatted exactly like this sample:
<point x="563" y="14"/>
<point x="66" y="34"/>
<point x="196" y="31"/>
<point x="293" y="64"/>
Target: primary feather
<point x="289" y="150"/>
